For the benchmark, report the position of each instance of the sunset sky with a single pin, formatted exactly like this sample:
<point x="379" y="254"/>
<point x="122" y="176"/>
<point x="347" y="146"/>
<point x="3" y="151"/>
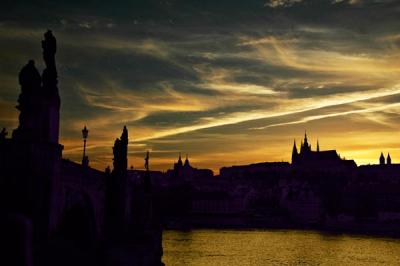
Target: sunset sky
<point x="227" y="82"/>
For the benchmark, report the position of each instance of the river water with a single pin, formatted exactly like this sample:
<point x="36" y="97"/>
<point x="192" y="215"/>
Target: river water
<point x="276" y="247"/>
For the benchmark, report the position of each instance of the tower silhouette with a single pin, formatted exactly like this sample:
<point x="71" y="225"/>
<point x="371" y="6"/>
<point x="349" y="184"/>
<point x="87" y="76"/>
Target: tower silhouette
<point x="382" y="159"/>
<point x="294" y="152"/>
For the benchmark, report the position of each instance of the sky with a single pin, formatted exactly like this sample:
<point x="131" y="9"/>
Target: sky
<point x="226" y="82"/>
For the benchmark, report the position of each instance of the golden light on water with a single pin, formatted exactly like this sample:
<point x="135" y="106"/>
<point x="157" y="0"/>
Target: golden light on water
<point x="275" y="247"/>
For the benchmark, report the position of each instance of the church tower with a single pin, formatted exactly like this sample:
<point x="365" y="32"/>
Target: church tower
<point x="382" y="159"/>
<point x="186" y="164"/>
<point x="294" y="152"/>
<point x="388" y="160"/>
<point x="305" y="147"/>
<point x="179" y="164"/>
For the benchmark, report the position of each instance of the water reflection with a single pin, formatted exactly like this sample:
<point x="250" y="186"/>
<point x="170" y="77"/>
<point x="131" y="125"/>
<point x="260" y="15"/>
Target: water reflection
<point x="230" y="247"/>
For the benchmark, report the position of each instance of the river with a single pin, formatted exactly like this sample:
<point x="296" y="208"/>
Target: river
<point x="276" y="247"/>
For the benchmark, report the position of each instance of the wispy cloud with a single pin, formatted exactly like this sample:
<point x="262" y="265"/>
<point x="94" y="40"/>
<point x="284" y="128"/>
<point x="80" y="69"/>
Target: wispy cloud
<point x="329" y="115"/>
<point x="190" y="77"/>
<point x="281" y="3"/>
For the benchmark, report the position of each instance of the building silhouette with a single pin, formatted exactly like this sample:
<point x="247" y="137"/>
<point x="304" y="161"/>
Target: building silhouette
<point x="319" y="189"/>
<point x="306" y="157"/>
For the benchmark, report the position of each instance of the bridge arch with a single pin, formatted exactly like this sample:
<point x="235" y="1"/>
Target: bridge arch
<point x="78" y="223"/>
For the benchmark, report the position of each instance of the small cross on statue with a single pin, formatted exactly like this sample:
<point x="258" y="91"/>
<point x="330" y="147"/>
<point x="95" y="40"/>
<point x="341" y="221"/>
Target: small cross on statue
<point x="146" y="178"/>
<point x="146" y="161"/>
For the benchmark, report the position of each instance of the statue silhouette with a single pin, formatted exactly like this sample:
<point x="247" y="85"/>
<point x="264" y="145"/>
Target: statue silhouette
<point x="3" y="133"/>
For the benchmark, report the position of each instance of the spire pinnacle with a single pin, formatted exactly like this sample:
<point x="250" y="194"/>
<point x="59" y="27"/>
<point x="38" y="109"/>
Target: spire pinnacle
<point x="179" y="163"/>
<point x="388" y="159"/>
<point x="382" y="159"/>
<point x="294" y="151"/>
<point x="186" y="161"/>
<point x="305" y="138"/>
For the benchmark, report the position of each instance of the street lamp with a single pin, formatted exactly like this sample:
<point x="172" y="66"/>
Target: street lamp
<point x="85" y="159"/>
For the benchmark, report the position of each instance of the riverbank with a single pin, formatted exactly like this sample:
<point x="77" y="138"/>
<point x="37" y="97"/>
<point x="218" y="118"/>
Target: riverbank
<point x="240" y="222"/>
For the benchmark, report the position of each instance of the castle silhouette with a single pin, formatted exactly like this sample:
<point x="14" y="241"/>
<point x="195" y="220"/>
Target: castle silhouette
<point x="317" y="158"/>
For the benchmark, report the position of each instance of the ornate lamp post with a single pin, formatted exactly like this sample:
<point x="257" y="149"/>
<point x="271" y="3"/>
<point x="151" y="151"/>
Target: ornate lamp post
<point x="85" y="159"/>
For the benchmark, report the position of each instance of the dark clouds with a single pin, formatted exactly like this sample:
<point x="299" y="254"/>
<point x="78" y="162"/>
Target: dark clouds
<point x="212" y="78"/>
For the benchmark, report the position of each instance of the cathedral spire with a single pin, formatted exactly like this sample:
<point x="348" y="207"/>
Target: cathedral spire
<point x="306" y="147"/>
<point x="294" y="151"/>
<point x="388" y="160"/>
<point x="317" y="145"/>
<point x="305" y="139"/>
<point x="187" y="161"/>
<point x="382" y="159"/>
<point x="180" y="160"/>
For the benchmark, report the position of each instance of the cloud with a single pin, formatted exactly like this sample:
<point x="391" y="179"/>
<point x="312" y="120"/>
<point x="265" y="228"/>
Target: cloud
<point x="281" y="3"/>
<point x="351" y="2"/>
<point x="303" y="107"/>
<point x="200" y="77"/>
<point x="330" y="115"/>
